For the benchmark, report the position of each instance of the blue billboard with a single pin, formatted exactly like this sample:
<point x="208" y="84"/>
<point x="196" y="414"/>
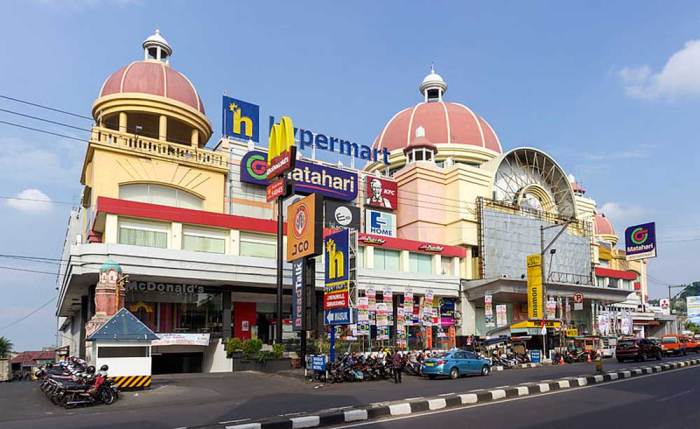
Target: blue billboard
<point x="640" y="241"/>
<point x="241" y="119"/>
<point x="307" y="177"/>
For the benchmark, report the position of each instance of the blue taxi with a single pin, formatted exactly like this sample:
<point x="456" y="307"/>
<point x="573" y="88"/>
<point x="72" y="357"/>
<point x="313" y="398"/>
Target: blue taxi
<point x="456" y="363"/>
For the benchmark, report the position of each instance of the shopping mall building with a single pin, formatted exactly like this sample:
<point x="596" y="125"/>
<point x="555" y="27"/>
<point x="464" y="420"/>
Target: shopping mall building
<point x="447" y="214"/>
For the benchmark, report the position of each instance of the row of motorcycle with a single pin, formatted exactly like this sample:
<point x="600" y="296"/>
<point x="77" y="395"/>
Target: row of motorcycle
<point x="71" y="383"/>
<point x="509" y="360"/>
<point x="353" y="368"/>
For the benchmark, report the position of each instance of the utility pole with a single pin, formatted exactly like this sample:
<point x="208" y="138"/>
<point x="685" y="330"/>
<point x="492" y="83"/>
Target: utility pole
<point x="543" y="250"/>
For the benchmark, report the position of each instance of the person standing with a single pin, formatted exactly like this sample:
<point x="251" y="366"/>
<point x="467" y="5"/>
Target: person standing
<point x="398" y="366"/>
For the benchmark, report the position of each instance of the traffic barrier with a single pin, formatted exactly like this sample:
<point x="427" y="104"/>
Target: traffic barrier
<point x="132" y="381"/>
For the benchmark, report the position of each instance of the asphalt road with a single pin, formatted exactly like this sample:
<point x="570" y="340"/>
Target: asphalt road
<point x="211" y="398"/>
<point x="664" y="400"/>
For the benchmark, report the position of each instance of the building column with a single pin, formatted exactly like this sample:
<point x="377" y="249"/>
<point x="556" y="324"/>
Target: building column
<point x="122" y="122"/>
<point x="194" y="139"/>
<point x="175" y="235"/>
<point x="369" y="257"/>
<point x="234" y="242"/>
<point x="111" y="233"/>
<point x="456" y="269"/>
<point x="163" y="128"/>
<point x="226" y="315"/>
<point x="468" y="312"/>
<point x="437" y="264"/>
<point x="467" y="271"/>
<point x="404" y="261"/>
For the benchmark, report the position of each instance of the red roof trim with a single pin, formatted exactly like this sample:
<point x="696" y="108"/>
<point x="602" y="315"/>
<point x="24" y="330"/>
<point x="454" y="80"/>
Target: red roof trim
<point x="200" y="217"/>
<point x="615" y="274"/>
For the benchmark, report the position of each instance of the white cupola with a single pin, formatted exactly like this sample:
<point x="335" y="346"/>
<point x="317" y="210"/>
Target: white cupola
<point x="156" y="48"/>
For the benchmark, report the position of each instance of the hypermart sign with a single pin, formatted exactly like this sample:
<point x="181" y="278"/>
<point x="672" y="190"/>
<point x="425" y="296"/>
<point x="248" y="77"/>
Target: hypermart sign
<point x="380" y="223"/>
<point x="242" y="121"/>
<point x="306" y="178"/>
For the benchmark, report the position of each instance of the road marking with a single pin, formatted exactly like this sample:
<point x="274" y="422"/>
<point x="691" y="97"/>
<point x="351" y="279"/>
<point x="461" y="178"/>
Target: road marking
<point x="305" y="422"/>
<point x="400" y="409"/>
<point x="564" y="384"/>
<point x="544" y="387"/>
<point x="469" y="398"/>
<point x="447" y="394"/>
<point x="228" y="422"/>
<point x="489" y="403"/>
<point x="355" y="415"/>
<point x="245" y="426"/>
<point x="498" y="394"/>
<point x="523" y="390"/>
<point x="668" y="398"/>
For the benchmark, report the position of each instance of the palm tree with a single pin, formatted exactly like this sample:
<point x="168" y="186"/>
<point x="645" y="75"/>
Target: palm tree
<point x="5" y="347"/>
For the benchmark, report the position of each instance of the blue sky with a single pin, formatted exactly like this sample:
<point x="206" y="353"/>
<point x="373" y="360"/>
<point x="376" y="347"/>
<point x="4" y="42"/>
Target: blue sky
<point x="610" y="90"/>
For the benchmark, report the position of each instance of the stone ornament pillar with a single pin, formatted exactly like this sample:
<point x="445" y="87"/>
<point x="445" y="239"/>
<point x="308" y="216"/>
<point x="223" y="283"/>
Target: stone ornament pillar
<point x="109" y="295"/>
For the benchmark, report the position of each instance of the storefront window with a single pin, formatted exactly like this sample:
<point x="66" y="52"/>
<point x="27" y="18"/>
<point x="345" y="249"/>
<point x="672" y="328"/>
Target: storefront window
<point x="420" y="263"/>
<point x="203" y="241"/>
<point x="143" y="234"/>
<point x="260" y="245"/>
<point x="176" y="308"/>
<point x="386" y="260"/>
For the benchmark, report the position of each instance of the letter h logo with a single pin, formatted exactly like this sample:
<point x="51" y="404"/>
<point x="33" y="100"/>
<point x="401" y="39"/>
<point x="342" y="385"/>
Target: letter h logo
<point x="336" y="261"/>
<point x="241" y="119"/>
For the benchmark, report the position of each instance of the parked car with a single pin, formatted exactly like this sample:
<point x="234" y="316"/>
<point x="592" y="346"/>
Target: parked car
<point x="691" y="344"/>
<point x="455" y="364"/>
<point x="674" y="344"/>
<point x="638" y="349"/>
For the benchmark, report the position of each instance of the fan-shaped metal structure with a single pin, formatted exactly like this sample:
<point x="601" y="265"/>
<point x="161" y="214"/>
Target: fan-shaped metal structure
<point x="531" y="179"/>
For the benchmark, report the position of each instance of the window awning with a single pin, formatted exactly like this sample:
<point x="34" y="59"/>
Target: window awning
<point x="615" y="274"/>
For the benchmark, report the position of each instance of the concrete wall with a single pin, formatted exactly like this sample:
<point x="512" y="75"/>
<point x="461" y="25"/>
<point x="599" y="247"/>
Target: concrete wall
<point x="125" y="365"/>
<point x="215" y="358"/>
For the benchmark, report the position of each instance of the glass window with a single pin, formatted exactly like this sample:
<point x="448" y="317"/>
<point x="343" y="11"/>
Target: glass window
<point x="386" y="260"/>
<point x="418" y="155"/>
<point x="143" y="234"/>
<point x="614" y="283"/>
<point x="159" y="194"/>
<point x="260" y="245"/>
<point x="120" y="352"/>
<point x="446" y="265"/>
<point x="199" y="243"/>
<point x="420" y="263"/>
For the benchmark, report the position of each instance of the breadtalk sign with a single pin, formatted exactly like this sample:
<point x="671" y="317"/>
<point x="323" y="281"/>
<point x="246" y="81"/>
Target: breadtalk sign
<point x="281" y="152"/>
<point x="305" y="228"/>
<point x="534" y="287"/>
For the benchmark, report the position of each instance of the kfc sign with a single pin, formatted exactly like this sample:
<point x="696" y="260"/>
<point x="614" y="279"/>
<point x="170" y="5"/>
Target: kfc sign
<point x="381" y="193"/>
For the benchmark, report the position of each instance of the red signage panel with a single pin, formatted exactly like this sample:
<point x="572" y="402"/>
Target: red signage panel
<point x="381" y="193"/>
<point x="338" y="299"/>
<point x="275" y="189"/>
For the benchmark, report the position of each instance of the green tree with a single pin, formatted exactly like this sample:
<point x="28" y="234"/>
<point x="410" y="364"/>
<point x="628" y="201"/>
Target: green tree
<point x="5" y="347"/>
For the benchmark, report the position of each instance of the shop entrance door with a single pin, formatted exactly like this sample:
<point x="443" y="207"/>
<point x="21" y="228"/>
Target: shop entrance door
<point x="177" y="363"/>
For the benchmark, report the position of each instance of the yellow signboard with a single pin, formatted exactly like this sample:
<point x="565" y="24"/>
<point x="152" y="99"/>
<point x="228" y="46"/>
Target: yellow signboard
<point x="534" y="287"/>
<point x="572" y="332"/>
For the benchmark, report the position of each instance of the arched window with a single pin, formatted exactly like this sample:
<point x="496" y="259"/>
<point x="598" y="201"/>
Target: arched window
<point x="159" y="194"/>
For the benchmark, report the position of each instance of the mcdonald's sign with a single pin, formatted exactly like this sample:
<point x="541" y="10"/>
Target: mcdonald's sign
<point x="281" y="152"/>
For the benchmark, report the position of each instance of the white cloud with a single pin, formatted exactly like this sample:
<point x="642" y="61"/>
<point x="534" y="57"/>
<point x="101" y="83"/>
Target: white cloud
<point x="620" y="213"/>
<point x="679" y="77"/>
<point x="31" y="201"/>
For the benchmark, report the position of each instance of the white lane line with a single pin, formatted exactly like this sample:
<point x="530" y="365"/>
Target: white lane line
<point x="245" y="426"/>
<point x="232" y="421"/>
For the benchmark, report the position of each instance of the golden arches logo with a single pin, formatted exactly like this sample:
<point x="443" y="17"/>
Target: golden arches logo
<point x="281" y="147"/>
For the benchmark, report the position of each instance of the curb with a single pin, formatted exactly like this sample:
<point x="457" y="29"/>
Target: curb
<point x="402" y="408"/>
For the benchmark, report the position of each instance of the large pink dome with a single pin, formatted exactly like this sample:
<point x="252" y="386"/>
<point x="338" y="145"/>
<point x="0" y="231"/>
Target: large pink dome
<point x="154" y="78"/>
<point x="443" y="122"/>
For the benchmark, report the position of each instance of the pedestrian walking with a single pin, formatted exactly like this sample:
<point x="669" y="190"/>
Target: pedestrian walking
<point x="398" y="366"/>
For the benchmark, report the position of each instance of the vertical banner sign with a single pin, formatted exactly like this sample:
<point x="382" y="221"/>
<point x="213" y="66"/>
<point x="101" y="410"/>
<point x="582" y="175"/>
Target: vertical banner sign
<point x="427" y="315"/>
<point x="372" y="305"/>
<point x="388" y="299"/>
<point x="408" y="307"/>
<point x="551" y="309"/>
<point x="501" y="315"/>
<point x="298" y="304"/>
<point x="488" y="311"/>
<point x="665" y="305"/>
<point x="304" y="228"/>
<point x="534" y="287"/>
<point x="640" y="241"/>
<point x="336" y="300"/>
<point x="362" y="316"/>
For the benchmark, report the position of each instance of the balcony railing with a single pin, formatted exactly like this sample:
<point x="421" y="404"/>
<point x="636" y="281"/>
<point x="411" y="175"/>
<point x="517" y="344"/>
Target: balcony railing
<point x="159" y="148"/>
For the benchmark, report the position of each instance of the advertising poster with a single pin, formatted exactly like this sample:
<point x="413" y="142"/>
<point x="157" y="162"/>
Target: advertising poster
<point x="551" y="309"/>
<point x="382" y="315"/>
<point x="665" y="306"/>
<point x="381" y="193"/>
<point x="241" y="120"/>
<point x="363" y="329"/>
<point x="488" y="311"/>
<point x="339" y="215"/>
<point x="427" y="308"/>
<point x="447" y="312"/>
<point x="382" y="333"/>
<point x="380" y="223"/>
<point x="501" y="315"/>
<point x="693" y="306"/>
<point x="372" y="305"/>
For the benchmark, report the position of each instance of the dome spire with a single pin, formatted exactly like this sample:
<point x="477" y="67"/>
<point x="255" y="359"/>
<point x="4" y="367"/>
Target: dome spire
<point x="155" y="47"/>
<point x="433" y="86"/>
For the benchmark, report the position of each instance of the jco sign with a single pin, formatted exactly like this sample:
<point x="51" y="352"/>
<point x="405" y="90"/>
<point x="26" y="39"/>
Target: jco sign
<point x="305" y="228"/>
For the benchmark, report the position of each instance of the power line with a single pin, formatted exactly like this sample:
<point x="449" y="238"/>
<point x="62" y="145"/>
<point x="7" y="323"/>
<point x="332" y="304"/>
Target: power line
<point x="26" y="270"/>
<point x="28" y="315"/>
<point x="24" y="115"/>
<point x="38" y="130"/>
<point x="5" y="197"/>
<point x="18" y="100"/>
